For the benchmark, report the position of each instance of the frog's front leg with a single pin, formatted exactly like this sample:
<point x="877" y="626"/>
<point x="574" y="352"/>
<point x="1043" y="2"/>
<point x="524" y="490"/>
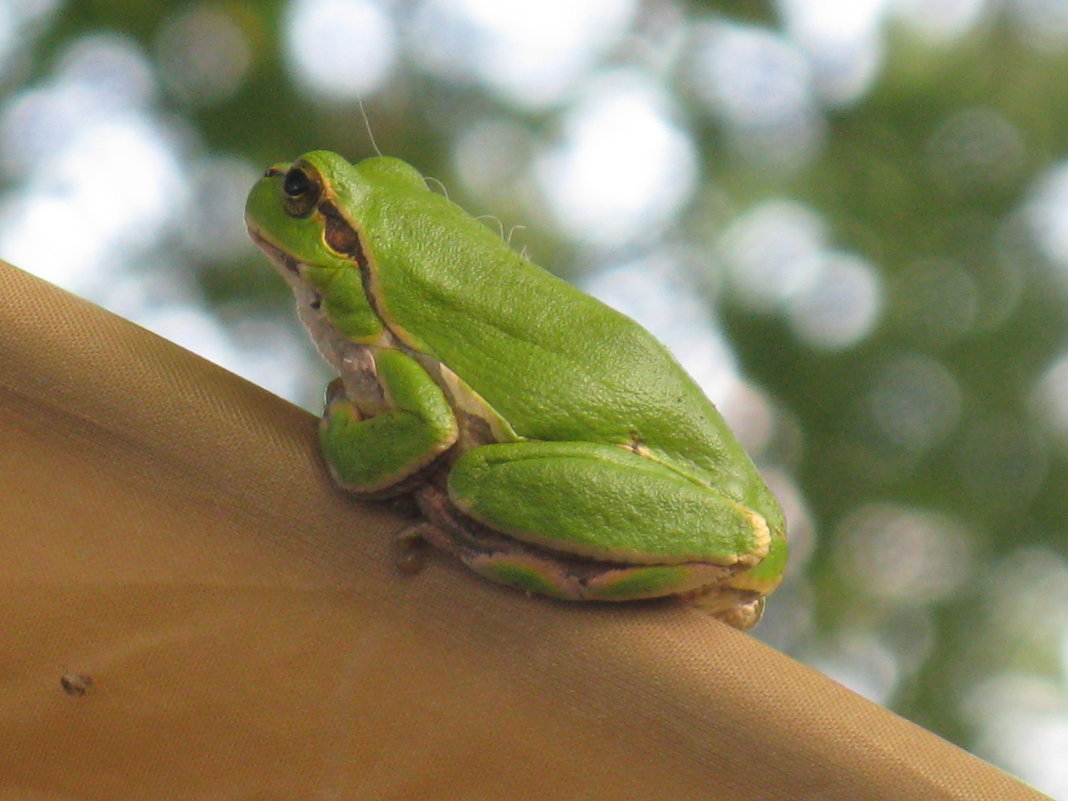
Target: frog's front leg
<point x="578" y="520"/>
<point x="381" y="452"/>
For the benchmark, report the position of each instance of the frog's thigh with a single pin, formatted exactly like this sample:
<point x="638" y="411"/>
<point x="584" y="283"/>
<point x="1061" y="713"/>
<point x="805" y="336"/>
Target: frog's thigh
<point x="607" y="503"/>
<point x="374" y="455"/>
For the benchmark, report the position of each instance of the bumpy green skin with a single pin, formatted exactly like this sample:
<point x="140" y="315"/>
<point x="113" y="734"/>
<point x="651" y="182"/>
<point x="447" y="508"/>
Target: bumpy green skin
<point x="603" y="449"/>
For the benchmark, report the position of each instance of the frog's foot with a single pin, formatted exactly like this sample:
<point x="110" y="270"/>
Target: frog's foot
<point x="741" y="609"/>
<point x="410" y="547"/>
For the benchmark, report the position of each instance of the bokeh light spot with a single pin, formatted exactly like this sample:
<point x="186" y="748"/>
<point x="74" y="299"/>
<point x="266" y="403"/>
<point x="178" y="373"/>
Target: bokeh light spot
<point x="66" y="141"/>
<point x="203" y="54"/>
<point x="902" y="554"/>
<point x="1043" y="24"/>
<point x="770" y="251"/>
<point x="78" y="191"/>
<point x="842" y="41"/>
<point x="97" y="80"/>
<point x="1050" y="399"/>
<point x="915" y="403"/>
<point x="760" y="87"/>
<point x="529" y="51"/>
<point x="975" y="149"/>
<point x="489" y="155"/>
<point x="861" y="662"/>
<point x="341" y="49"/>
<point x="839" y="305"/>
<point x="1045" y="213"/>
<point x="1022" y="721"/>
<point x="622" y="169"/>
<point x="1027" y="596"/>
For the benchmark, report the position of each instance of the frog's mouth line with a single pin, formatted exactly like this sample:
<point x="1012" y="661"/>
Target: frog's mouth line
<point x="274" y="253"/>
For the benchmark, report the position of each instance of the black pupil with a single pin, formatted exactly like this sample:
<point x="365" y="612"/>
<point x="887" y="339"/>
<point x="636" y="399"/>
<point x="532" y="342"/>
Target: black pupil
<point x="296" y="183"/>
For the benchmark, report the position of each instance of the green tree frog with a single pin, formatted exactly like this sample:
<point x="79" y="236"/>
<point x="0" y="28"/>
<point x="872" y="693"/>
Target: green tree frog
<point x="551" y="443"/>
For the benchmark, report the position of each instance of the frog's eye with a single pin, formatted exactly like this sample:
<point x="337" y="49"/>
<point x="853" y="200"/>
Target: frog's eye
<point x="302" y="192"/>
<point x="297" y="183"/>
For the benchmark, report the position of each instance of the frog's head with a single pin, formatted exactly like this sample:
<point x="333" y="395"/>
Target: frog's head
<point x="311" y="219"/>
<point x="306" y="216"/>
<point x="289" y="215"/>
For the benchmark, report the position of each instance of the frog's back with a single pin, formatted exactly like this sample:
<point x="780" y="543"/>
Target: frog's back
<point x="556" y="363"/>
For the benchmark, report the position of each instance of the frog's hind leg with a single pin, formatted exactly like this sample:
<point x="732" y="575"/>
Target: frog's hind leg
<point x="531" y="569"/>
<point x="604" y="502"/>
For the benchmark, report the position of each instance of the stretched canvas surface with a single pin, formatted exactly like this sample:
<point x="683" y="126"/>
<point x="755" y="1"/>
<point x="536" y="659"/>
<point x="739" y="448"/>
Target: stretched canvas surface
<point x="191" y="610"/>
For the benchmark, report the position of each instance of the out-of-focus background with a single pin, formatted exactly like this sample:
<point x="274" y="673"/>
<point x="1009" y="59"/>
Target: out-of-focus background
<point x="848" y="219"/>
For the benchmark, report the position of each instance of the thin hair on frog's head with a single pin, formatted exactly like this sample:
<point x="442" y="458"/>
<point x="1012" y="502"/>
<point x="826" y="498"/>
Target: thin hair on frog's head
<point x="367" y="126"/>
<point x="511" y="233"/>
<point x="439" y="184"/>
<point x="496" y="219"/>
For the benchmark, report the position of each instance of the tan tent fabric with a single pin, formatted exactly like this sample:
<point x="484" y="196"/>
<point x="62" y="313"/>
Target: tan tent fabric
<point x="190" y="610"/>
